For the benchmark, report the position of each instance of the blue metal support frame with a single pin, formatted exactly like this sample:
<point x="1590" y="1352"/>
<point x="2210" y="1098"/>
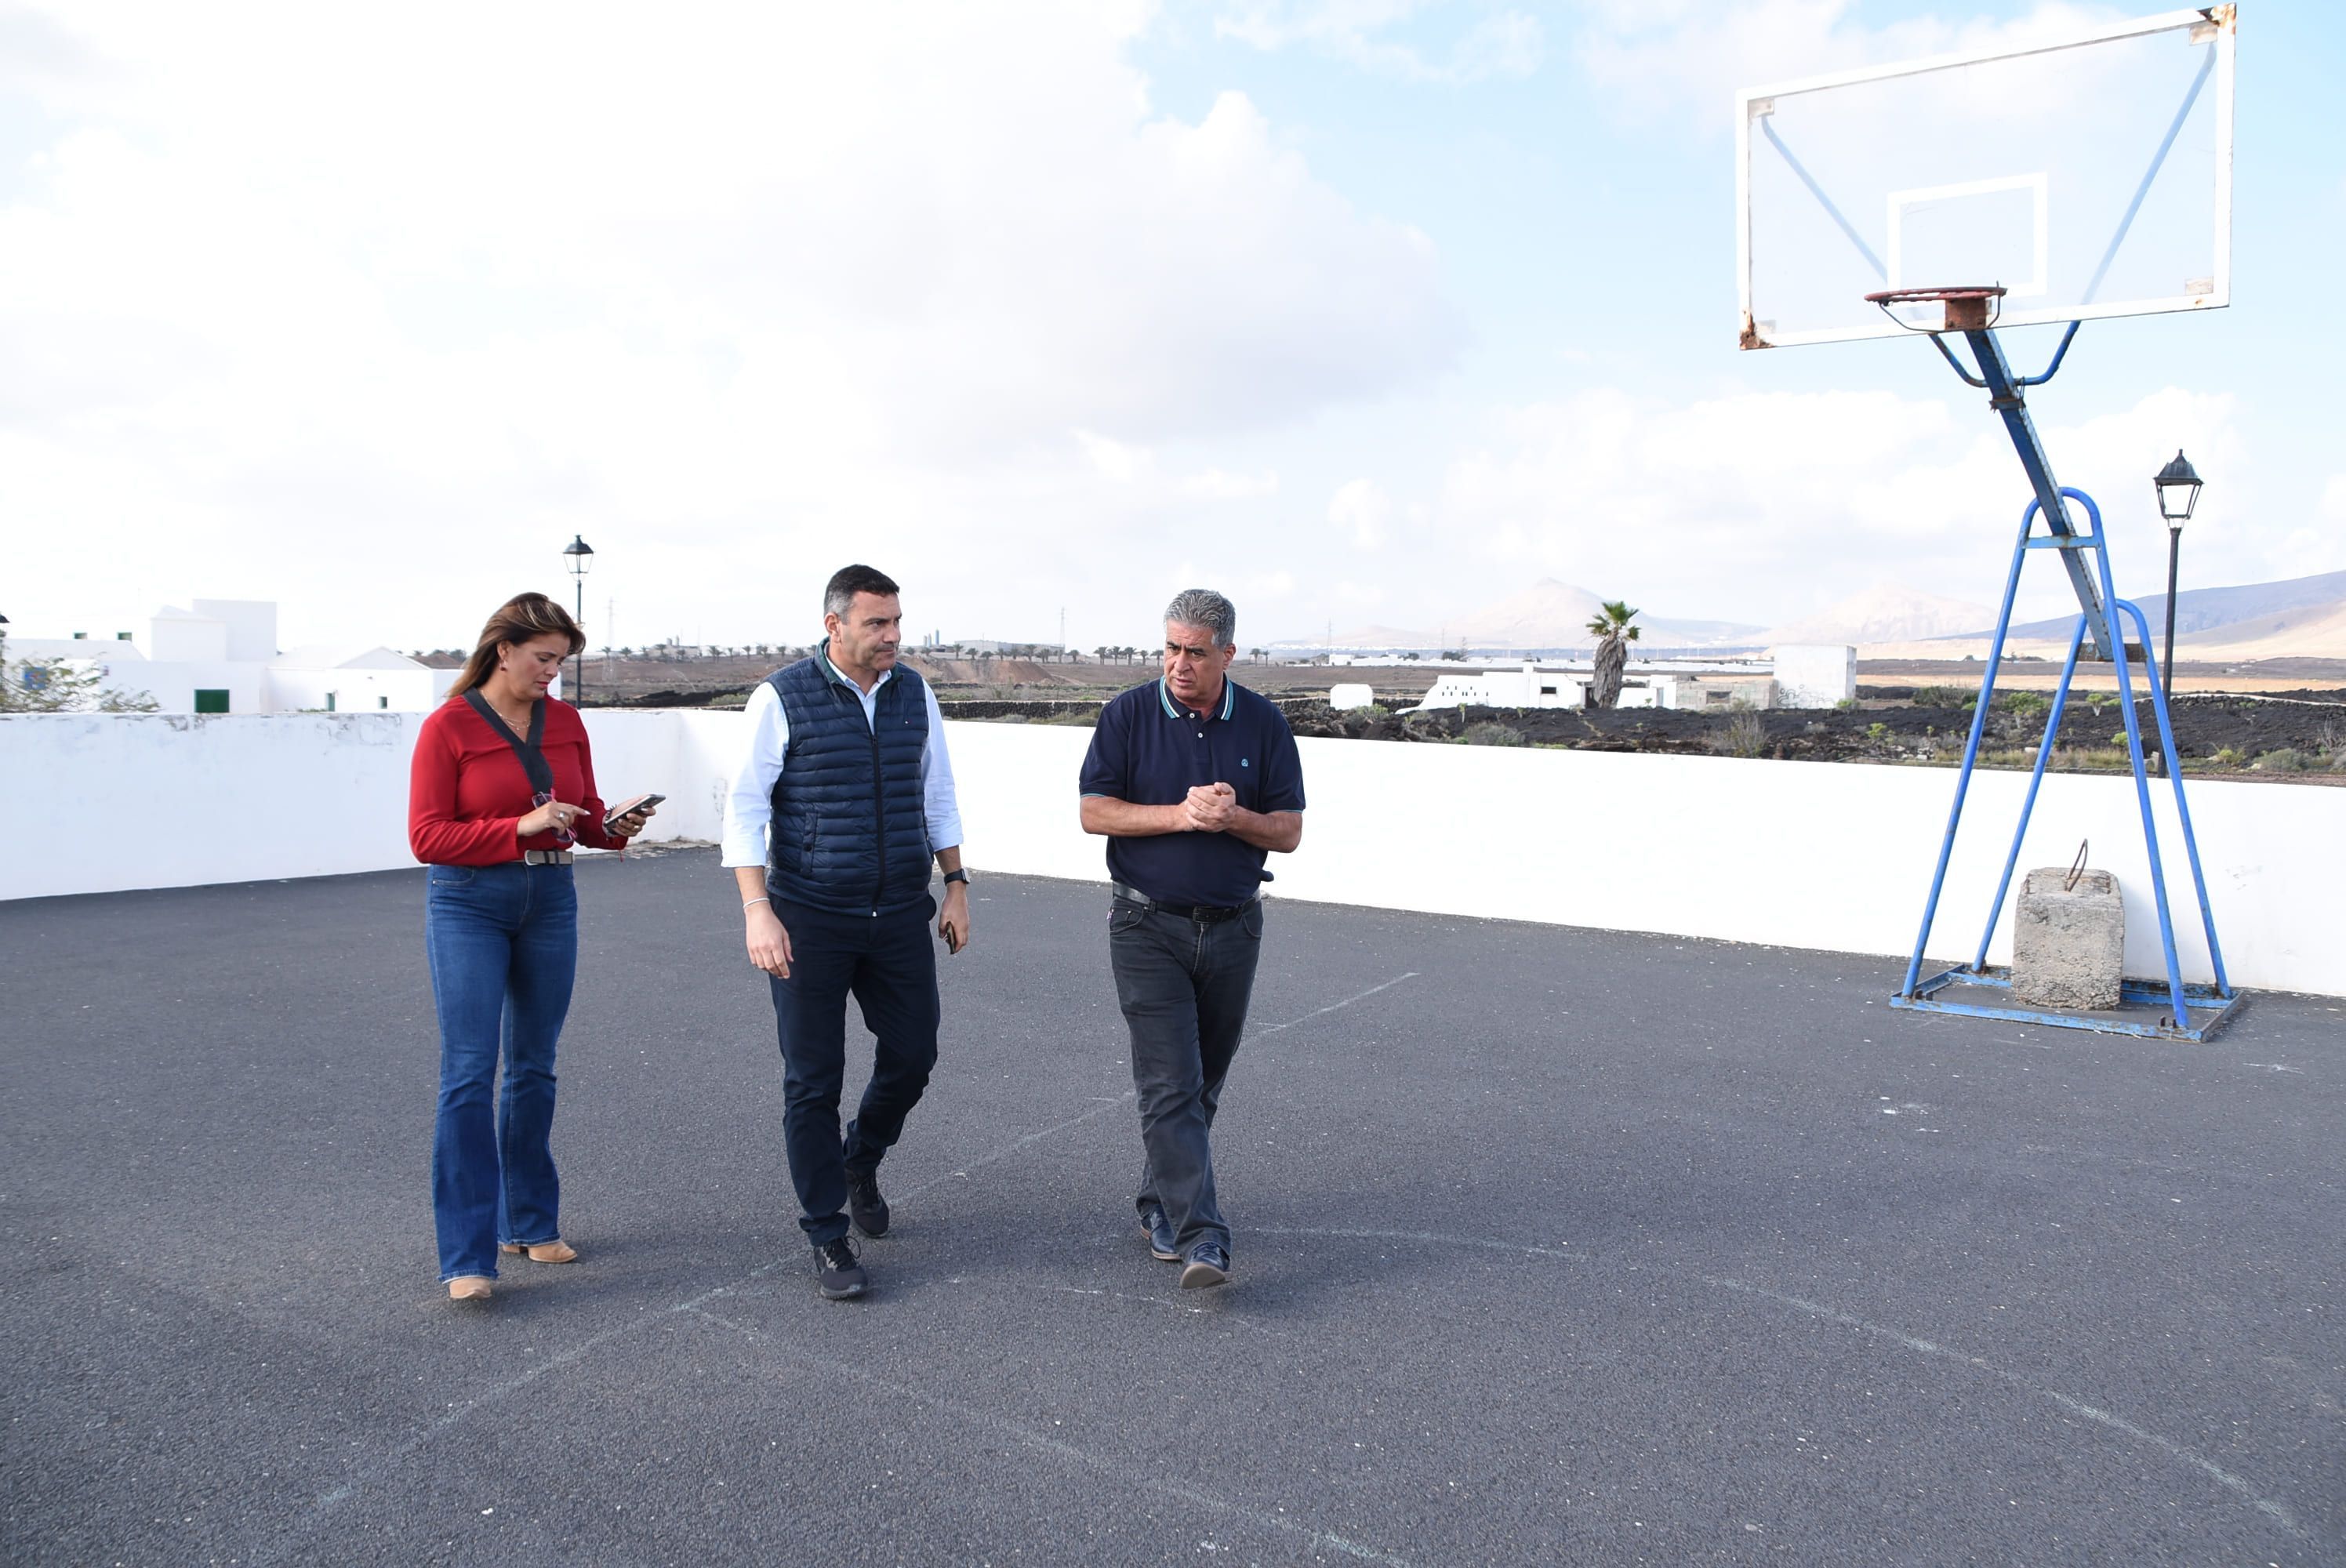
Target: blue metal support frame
<point x="2085" y="557"/>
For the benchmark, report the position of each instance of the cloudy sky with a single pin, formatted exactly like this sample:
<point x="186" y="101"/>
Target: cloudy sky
<point x="1359" y="309"/>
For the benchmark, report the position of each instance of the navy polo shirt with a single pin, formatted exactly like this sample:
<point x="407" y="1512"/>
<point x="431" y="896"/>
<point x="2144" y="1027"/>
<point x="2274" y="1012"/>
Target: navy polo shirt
<point x="1150" y="750"/>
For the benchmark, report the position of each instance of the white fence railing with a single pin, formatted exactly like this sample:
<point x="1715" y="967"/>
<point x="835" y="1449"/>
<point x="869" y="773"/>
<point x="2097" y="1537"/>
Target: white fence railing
<point x="1830" y="856"/>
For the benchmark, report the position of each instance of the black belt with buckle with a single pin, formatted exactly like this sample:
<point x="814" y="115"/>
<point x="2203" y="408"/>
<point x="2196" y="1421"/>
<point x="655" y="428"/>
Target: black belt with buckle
<point x="1204" y="914"/>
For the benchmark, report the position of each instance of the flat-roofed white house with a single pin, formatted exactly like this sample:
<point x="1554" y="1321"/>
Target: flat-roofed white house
<point x="1794" y="677"/>
<point x="221" y="656"/>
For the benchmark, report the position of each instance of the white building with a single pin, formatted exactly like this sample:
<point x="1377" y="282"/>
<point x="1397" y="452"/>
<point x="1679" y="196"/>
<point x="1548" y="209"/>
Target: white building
<point x="1796" y="677"/>
<point x="221" y="656"/>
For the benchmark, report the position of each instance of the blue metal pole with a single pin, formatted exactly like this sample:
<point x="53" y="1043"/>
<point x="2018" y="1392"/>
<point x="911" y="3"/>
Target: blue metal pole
<point x="2006" y="396"/>
<point x="2141" y="775"/>
<point x="2182" y="807"/>
<point x="1971" y="750"/>
<point x="2028" y="806"/>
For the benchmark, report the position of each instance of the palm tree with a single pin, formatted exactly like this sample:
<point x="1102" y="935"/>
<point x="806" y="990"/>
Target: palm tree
<point x="1614" y="635"/>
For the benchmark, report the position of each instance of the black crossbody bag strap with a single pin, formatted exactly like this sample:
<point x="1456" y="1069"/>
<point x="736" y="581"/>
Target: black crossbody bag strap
<point x="532" y="761"/>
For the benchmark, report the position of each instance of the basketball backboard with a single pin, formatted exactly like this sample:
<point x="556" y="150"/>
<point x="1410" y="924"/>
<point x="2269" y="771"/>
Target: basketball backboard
<point x="2089" y="175"/>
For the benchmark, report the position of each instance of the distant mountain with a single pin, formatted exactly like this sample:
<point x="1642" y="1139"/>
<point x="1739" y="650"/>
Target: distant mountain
<point x="2204" y="609"/>
<point x="2314" y="631"/>
<point x="1553" y="614"/>
<point x="1547" y="615"/>
<point x="2300" y="617"/>
<point x="1884" y="613"/>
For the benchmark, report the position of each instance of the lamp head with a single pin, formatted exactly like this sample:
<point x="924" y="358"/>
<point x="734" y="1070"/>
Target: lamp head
<point x="579" y="556"/>
<point x="2178" y="490"/>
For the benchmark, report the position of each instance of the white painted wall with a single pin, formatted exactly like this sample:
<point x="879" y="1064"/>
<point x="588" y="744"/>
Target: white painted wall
<point x="1813" y="676"/>
<point x="1843" y="865"/>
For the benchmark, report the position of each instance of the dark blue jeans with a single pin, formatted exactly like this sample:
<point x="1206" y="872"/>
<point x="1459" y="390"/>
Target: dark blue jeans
<point x="1183" y="986"/>
<point x="504" y="944"/>
<point x="886" y="963"/>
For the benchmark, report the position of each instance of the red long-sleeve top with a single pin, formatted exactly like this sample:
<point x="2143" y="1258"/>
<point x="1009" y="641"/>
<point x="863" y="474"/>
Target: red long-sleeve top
<point x="467" y="791"/>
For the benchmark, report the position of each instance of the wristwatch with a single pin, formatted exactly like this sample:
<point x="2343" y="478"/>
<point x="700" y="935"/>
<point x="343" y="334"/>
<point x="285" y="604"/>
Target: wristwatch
<point x="958" y="876"/>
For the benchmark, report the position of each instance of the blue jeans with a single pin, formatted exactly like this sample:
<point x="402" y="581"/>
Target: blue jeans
<point x="503" y="945"/>
<point x="1183" y="986"/>
<point x="889" y="964"/>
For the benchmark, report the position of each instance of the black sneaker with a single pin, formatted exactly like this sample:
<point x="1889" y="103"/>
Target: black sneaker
<point x="836" y="1273"/>
<point x="1162" y="1246"/>
<point x="865" y="1206"/>
<point x="1208" y="1265"/>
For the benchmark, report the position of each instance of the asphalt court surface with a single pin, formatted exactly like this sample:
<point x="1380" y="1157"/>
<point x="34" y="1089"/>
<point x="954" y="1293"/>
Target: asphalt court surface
<point x="1552" y="1246"/>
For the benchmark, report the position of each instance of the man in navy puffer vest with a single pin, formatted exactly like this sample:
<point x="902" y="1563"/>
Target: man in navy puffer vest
<point x="843" y="796"/>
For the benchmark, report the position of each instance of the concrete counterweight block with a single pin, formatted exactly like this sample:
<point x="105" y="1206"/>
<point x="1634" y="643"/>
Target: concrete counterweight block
<point x="2068" y="946"/>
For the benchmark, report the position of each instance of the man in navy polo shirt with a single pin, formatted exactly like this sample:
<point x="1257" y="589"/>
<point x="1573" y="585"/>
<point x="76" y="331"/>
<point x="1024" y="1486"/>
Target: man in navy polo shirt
<point x="1192" y="780"/>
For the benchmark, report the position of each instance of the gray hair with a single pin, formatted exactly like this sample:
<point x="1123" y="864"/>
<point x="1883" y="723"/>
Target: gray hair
<point x="1204" y="607"/>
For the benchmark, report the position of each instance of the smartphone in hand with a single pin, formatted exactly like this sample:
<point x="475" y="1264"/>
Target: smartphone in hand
<point x="611" y="817"/>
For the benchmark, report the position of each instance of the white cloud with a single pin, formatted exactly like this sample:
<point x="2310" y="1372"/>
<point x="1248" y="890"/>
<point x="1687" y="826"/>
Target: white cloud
<point x="1363" y="513"/>
<point x="1680" y="62"/>
<point x="364" y="312"/>
<point x="1134" y="470"/>
<point x="1499" y="43"/>
<point x="1765" y="505"/>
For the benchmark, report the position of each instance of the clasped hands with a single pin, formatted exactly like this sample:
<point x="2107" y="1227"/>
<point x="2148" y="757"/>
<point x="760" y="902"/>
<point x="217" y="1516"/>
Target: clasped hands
<point x="1210" y="808"/>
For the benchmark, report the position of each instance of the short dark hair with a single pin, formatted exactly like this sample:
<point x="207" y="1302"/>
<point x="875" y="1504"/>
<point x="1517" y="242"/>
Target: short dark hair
<point x="839" y="596"/>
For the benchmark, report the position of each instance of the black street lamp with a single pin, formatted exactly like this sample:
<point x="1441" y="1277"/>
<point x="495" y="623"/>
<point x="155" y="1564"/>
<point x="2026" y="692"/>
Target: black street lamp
<point x="2178" y="494"/>
<point x="579" y="556"/>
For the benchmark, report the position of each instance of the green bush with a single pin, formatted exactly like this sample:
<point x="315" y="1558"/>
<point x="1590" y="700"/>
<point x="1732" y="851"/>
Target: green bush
<point x="1489" y="733"/>
<point x="2025" y="703"/>
<point x="2286" y="759"/>
<point x="1944" y="697"/>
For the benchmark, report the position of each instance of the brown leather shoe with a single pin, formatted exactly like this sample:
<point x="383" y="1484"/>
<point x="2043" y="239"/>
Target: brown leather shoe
<point x="555" y="1251"/>
<point x="469" y="1288"/>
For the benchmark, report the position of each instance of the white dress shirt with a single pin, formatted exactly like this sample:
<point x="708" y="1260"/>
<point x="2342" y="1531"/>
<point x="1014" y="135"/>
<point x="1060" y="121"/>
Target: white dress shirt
<point x="750" y="807"/>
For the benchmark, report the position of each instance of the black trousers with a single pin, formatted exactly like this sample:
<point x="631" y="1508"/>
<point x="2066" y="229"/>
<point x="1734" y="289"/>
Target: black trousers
<point x="1183" y="986"/>
<point x="886" y="963"/>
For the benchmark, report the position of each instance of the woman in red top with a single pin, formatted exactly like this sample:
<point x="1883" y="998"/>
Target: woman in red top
<point x="501" y="786"/>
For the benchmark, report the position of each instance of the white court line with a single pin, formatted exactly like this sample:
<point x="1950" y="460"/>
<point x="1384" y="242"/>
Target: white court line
<point x="1122" y="1473"/>
<point x="456" y="1413"/>
<point x="2116" y="1423"/>
<point x="1332" y="1006"/>
<point x="1922" y="1347"/>
<point x="327" y="1502"/>
<point x="1006" y="1150"/>
<point x="1425" y="1236"/>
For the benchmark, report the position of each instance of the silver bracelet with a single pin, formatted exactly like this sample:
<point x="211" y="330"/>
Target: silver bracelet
<point x="753" y="903"/>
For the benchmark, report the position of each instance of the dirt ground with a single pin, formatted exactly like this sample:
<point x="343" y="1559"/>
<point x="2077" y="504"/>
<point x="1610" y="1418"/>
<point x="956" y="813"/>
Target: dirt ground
<point x="2298" y="735"/>
<point x="2280" y="720"/>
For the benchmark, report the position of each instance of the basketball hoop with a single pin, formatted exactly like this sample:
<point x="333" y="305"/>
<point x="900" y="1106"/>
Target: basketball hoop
<point x="1973" y="308"/>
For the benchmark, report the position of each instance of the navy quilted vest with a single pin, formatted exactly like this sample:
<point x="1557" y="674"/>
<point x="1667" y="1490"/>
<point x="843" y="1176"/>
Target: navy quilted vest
<point x="851" y="828"/>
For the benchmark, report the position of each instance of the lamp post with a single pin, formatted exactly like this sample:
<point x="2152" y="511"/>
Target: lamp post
<point x="579" y="556"/>
<point x="2178" y="493"/>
